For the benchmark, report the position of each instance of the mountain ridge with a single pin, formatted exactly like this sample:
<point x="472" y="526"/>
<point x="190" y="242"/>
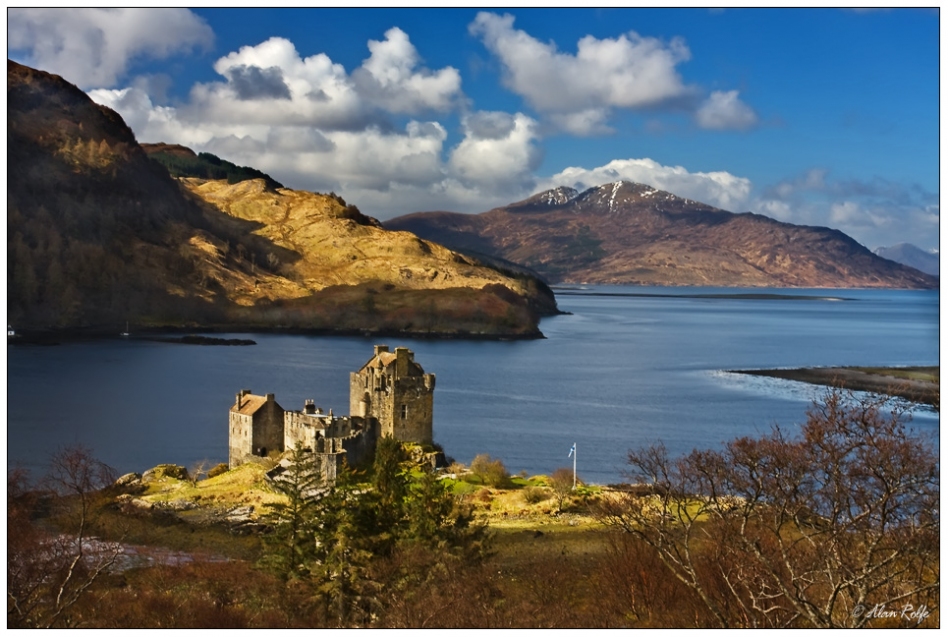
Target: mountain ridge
<point x="912" y="256"/>
<point x="630" y="233"/>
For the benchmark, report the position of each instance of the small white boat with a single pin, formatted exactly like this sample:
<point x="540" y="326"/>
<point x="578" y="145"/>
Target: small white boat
<point x="125" y="334"/>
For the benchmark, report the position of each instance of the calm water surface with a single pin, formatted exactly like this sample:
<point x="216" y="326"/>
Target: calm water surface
<point x="619" y="372"/>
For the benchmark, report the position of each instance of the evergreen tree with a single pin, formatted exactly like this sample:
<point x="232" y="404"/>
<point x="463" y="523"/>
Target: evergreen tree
<point x="387" y="500"/>
<point x="292" y="544"/>
<point x="342" y="556"/>
<point x="438" y="520"/>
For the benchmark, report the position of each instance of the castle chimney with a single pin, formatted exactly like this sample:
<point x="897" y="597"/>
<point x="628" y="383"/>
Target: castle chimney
<point x="309" y="407"/>
<point x="239" y="396"/>
<point x="270" y="398"/>
<point x="380" y="348"/>
<point x="402" y="356"/>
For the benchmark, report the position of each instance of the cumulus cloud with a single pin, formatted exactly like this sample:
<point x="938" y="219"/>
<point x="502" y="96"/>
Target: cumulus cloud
<point x="253" y="82"/>
<point x="498" y="151"/>
<point x="314" y="126"/>
<point x="630" y="71"/>
<point x="720" y="189"/>
<point x="724" y="110"/>
<point x="271" y="84"/>
<point x="390" y="78"/>
<point x="93" y="47"/>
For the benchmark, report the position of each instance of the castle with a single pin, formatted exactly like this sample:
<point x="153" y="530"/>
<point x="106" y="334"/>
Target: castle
<point x="391" y="395"/>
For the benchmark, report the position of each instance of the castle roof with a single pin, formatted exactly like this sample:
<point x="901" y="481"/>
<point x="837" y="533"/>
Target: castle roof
<point x="381" y="360"/>
<point x="249" y="404"/>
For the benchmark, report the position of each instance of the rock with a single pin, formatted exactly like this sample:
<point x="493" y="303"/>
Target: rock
<point x="177" y="505"/>
<point x="130" y="483"/>
<point x="165" y="471"/>
<point x="129" y="503"/>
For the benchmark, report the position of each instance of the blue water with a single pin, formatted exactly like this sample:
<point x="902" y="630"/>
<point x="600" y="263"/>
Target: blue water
<point x="619" y="372"/>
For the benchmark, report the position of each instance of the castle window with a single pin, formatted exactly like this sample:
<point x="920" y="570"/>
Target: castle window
<point x="404" y="412"/>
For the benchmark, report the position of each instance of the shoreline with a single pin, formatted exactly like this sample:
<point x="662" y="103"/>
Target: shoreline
<point x="911" y="383"/>
<point x="164" y="333"/>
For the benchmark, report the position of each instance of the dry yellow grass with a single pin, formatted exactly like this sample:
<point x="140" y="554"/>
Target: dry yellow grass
<point x="333" y="247"/>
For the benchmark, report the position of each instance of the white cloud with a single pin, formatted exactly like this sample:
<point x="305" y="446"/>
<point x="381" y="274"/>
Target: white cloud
<point x="874" y="212"/>
<point x="498" y="151"/>
<point x="586" y="123"/>
<point x="313" y="126"/>
<point x="720" y="189"/>
<point x="389" y="78"/>
<point x="846" y="213"/>
<point x="316" y="91"/>
<point x="93" y="47"/>
<point x="630" y="71"/>
<point x="724" y="110"/>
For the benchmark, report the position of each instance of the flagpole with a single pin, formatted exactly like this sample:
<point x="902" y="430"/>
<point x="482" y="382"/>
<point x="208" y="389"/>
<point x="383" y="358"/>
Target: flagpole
<point x="574" y="466"/>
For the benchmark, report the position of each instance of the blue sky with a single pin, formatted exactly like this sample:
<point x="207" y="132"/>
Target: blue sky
<point x="811" y="116"/>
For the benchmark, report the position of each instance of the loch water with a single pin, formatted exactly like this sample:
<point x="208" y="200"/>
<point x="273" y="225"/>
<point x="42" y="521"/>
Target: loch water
<point x="626" y="367"/>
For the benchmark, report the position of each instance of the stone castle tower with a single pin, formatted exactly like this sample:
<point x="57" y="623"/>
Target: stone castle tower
<point x="391" y="395"/>
<point x="395" y="391"/>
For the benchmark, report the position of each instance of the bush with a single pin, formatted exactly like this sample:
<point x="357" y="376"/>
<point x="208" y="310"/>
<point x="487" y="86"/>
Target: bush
<point x="217" y="470"/>
<point x="533" y="495"/>
<point x="806" y="528"/>
<point x="490" y="471"/>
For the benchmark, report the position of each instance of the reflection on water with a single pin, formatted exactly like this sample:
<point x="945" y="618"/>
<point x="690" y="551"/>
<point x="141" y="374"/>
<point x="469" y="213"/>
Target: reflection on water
<point x="620" y="371"/>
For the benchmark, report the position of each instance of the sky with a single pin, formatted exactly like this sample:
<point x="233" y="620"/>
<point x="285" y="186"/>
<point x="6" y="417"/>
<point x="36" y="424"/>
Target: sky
<point x="825" y="117"/>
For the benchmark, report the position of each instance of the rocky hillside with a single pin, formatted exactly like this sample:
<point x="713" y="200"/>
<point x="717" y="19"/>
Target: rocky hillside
<point x="99" y="234"/>
<point x="630" y="233"/>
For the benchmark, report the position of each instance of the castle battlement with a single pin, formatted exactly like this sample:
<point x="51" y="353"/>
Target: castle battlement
<point x="391" y="395"/>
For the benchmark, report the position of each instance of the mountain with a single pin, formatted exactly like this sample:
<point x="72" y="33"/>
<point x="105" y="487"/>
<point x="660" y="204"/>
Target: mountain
<point x="630" y="233"/>
<point x="912" y="256"/>
<point x="99" y="233"/>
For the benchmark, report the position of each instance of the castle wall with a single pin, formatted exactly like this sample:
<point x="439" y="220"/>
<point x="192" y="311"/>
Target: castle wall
<point x="268" y="428"/>
<point x="241" y="438"/>
<point x="360" y="445"/>
<point x="412" y="408"/>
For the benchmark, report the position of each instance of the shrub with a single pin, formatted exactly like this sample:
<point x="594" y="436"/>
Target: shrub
<point x="217" y="470"/>
<point x="490" y="471"/>
<point x="533" y="495"/>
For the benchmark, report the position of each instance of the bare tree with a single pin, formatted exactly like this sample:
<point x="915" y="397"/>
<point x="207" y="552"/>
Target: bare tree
<point x="47" y="573"/>
<point x="198" y="471"/>
<point x="562" y="482"/>
<point x="838" y="527"/>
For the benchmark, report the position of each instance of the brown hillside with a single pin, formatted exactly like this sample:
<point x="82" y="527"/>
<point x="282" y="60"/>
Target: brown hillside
<point x="99" y="234"/>
<point x="628" y="233"/>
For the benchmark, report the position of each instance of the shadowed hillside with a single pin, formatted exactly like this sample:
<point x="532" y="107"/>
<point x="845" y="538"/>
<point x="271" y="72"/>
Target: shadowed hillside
<point x="99" y="234"/>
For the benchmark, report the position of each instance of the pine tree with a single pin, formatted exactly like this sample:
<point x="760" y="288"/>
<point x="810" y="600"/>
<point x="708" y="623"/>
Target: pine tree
<point x="342" y="556"/>
<point x="292" y="544"/>
<point x="387" y="500"/>
<point x="440" y="521"/>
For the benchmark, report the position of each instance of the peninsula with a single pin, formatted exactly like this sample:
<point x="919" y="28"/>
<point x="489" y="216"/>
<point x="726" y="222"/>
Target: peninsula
<point x="918" y="384"/>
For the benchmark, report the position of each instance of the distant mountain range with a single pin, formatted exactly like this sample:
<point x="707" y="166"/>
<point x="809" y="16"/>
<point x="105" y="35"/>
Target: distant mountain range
<point x="100" y="234"/>
<point x="630" y="233"/>
<point x="912" y="256"/>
